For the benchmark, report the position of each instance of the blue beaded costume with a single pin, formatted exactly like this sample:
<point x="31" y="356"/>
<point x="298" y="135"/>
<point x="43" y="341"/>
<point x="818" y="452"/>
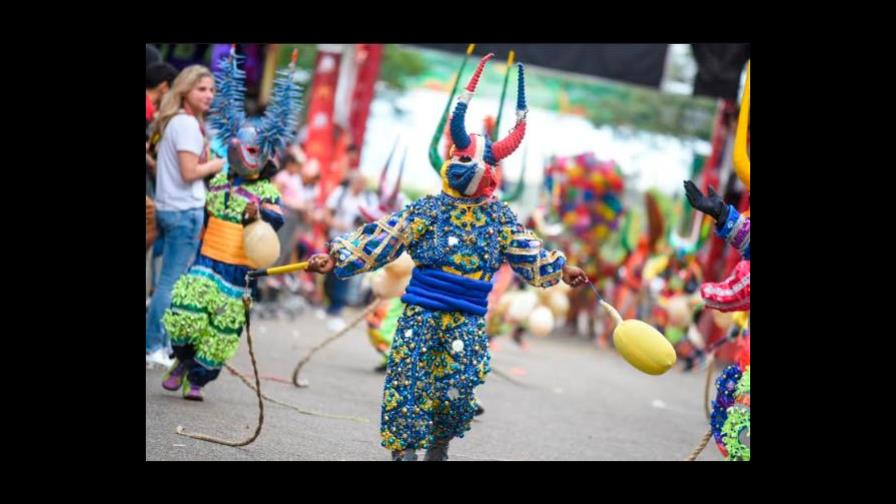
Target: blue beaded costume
<point x="458" y="239"/>
<point x="438" y="357"/>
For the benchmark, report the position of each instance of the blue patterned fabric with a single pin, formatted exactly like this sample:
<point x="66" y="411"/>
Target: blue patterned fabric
<point x="438" y="356"/>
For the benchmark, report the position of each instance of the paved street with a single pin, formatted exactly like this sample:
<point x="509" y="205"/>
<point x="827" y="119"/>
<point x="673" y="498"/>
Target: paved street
<point x="573" y="402"/>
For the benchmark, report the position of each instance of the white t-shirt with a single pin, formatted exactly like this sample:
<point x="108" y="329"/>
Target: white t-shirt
<point x="308" y="193"/>
<point x="172" y="193"/>
<point x="348" y="211"/>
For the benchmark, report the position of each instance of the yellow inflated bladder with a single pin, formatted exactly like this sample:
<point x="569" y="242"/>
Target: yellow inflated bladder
<point x="640" y="344"/>
<point x="261" y="244"/>
<point x="741" y="157"/>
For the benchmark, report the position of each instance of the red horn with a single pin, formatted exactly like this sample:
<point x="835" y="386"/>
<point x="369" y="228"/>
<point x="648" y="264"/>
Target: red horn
<point x="505" y="147"/>
<point x="475" y="78"/>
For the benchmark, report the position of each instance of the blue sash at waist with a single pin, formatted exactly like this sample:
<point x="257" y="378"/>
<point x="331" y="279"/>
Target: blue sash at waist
<point x="439" y="290"/>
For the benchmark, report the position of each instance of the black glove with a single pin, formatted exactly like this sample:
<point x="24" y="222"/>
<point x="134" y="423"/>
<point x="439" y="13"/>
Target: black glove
<point x="711" y="205"/>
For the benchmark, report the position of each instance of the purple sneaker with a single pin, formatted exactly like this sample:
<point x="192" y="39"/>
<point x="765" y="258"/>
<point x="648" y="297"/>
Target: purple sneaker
<point x="173" y="378"/>
<point x="192" y="392"/>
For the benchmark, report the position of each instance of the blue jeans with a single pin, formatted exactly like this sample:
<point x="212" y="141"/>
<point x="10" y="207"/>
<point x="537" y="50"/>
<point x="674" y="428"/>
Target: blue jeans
<point x="337" y="290"/>
<point x="154" y="263"/>
<point x="181" y="230"/>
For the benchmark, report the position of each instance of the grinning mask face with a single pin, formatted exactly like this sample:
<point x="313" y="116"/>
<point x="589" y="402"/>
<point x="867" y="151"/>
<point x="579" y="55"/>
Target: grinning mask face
<point x="244" y="153"/>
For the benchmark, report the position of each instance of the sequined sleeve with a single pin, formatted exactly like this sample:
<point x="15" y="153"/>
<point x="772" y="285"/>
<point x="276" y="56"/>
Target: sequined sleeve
<point x="736" y="231"/>
<point x="373" y="245"/>
<point x="526" y="254"/>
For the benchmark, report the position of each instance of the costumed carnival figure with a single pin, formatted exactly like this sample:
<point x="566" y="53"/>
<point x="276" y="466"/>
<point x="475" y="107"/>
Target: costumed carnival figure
<point x="206" y="316"/>
<point x="730" y="418"/>
<point x="457" y="239"/>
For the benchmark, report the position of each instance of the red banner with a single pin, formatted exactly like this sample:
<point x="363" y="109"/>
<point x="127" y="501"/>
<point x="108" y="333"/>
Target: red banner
<point x="369" y="57"/>
<point x="319" y="145"/>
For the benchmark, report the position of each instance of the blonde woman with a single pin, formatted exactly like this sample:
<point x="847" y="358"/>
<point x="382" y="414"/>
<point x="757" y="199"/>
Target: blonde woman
<point x="181" y="166"/>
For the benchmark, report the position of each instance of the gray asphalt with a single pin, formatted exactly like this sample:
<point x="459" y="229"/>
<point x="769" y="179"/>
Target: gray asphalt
<point x="569" y="401"/>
